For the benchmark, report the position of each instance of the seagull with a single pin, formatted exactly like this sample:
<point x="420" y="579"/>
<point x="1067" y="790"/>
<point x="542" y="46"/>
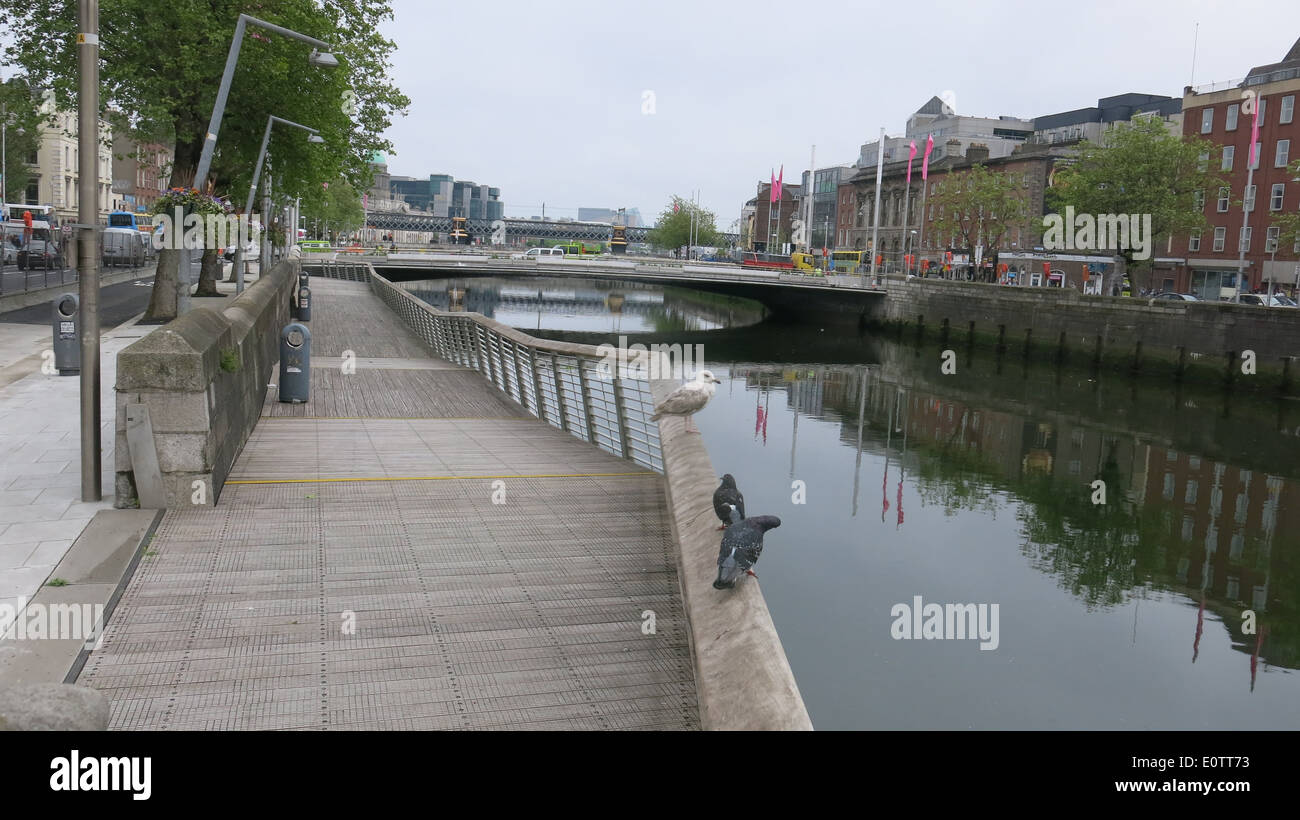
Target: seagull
<point x="688" y="399"/>
<point x="727" y="497"/>
<point x="742" y="543"/>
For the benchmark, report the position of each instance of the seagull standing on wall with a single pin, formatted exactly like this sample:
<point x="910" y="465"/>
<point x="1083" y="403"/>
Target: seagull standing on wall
<point x="688" y="399"/>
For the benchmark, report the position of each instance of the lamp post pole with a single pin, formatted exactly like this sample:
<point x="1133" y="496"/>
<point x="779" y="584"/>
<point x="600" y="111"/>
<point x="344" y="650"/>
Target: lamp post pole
<point x="214" y="124"/>
<point x="87" y="257"/>
<point x="252" y="192"/>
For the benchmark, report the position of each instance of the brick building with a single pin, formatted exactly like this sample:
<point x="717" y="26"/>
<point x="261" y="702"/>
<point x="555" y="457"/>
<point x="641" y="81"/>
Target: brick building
<point x="759" y="229"/>
<point x="1207" y="263"/>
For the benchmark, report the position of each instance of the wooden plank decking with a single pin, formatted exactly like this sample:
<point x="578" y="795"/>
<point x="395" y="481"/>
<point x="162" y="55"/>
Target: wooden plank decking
<point x="373" y="505"/>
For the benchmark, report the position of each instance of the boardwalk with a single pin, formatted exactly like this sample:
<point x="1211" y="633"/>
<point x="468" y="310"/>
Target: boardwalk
<point x="373" y="506"/>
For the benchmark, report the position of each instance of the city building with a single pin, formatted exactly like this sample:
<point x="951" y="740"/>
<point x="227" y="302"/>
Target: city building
<point x="763" y="228"/>
<point x="631" y="217"/>
<point x="443" y="195"/>
<point x="1095" y="122"/>
<point x="825" y="200"/>
<point x="141" y="171"/>
<point x="1207" y="263"/>
<point x="53" y="179"/>
<point x="953" y="134"/>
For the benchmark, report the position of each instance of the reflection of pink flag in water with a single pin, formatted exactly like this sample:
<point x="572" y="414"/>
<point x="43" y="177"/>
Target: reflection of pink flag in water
<point x="1200" y="626"/>
<point x="900" y="500"/>
<point x="1254" y="656"/>
<point x="884" y="493"/>
<point x="758" y="420"/>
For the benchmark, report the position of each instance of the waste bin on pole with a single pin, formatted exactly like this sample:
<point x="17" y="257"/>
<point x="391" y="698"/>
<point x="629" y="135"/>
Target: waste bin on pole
<point x="66" y="323"/>
<point x="295" y="363"/>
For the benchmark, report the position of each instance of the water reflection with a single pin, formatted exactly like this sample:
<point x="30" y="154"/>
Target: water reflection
<point x="1174" y="525"/>
<point x="544" y="303"/>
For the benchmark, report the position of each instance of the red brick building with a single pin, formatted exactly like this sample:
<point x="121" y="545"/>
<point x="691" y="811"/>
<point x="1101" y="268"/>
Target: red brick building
<point x="762" y="228"/>
<point x="1207" y="263"/>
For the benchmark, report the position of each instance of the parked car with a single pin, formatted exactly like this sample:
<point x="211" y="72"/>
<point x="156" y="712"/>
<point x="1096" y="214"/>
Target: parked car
<point x="40" y="253"/>
<point x="539" y="253"/>
<point x="1263" y="300"/>
<point x="1178" y="297"/>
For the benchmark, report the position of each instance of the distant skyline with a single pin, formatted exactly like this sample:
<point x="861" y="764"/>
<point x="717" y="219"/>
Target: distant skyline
<point x="545" y="101"/>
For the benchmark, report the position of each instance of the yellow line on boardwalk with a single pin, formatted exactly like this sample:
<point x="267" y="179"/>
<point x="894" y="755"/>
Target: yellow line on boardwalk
<point x="435" y="478"/>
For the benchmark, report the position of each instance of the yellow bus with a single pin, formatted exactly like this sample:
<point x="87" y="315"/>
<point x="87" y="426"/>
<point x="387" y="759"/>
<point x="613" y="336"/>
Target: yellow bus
<point x="849" y="261"/>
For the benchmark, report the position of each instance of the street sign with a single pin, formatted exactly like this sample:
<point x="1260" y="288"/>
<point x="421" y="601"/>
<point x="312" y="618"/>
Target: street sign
<point x="67" y="229"/>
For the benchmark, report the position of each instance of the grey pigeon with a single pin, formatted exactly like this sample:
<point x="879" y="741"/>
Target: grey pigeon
<point x="742" y="543"/>
<point x="725" y="497"/>
<point x="688" y="399"/>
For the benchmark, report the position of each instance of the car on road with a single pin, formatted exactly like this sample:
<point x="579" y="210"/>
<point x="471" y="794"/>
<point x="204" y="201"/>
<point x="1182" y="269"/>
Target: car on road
<point x="40" y="253"/>
<point x="1170" y="295"/>
<point x="539" y="253"/>
<point x="251" y="252"/>
<point x="1263" y="300"/>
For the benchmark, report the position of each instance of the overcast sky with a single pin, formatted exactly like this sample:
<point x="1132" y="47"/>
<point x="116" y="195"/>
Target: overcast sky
<point x="544" y="99"/>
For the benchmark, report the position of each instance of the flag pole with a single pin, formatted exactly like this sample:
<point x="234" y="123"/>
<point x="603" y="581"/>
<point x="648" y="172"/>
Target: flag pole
<point x="925" y="189"/>
<point x="875" y="217"/>
<point x="907" y="193"/>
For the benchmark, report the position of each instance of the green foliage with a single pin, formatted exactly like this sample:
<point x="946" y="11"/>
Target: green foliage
<point x="191" y="202"/>
<point x="230" y="360"/>
<point x="56" y="582"/>
<point x="337" y="204"/>
<point x="1289" y="221"/>
<point x="1141" y="169"/>
<point x="673" y="228"/>
<point x="978" y="206"/>
<point x="20" y="108"/>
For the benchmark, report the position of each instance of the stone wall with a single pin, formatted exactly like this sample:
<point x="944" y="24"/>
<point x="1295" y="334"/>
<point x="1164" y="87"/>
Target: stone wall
<point x="203" y="378"/>
<point x="1197" y="341"/>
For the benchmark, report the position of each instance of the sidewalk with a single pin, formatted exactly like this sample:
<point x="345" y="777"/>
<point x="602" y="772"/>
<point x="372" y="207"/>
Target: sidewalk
<point x="41" y="511"/>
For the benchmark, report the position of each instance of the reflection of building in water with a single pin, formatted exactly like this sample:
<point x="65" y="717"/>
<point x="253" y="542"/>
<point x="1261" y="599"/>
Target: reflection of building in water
<point x="1172" y="519"/>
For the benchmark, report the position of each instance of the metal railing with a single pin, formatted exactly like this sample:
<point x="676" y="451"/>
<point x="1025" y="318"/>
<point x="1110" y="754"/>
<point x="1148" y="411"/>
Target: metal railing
<point x="569" y="386"/>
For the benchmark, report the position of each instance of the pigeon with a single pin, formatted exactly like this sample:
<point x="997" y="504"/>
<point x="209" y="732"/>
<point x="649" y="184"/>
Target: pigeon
<point x="742" y="543"/>
<point x="688" y="399"/>
<point x="725" y="497"/>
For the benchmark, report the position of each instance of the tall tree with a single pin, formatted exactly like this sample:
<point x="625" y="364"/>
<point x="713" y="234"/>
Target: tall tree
<point x="159" y="65"/>
<point x="1288" y="223"/>
<point x="978" y="207"/>
<point x="1140" y="168"/>
<point x="337" y="205"/>
<point x="20" y="110"/>
<point x="673" y="227"/>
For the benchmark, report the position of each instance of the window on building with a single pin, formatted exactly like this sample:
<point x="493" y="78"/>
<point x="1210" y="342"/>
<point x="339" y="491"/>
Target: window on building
<point x="1224" y="194"/>
<point x="1230" y="124"/>
<point x="1228" y="153"/>
<point x="1259" y="147"/>
<point x="1194" y="242"/>
<point x="1198" y="199"/>
<point x="1271" y="237"/>
<point x="1288" y="109"/>
<point x="1262" y="107"/>
<point x="1220" y="235"/>
<point x="1189" y="497"/>
<point x="1277" y="196"/>
<point x="1207" y="120"/>
<point x="1244" y="243"/>
<point x="1204" y="162"/>
<point x="1249" y="202"/>
<point x="1282" y="156"/>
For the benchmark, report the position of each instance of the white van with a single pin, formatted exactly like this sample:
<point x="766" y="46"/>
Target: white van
<point x="540" y="253"/>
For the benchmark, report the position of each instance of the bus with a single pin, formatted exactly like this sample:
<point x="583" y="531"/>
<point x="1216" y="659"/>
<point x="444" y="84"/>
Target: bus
<point x="849" y="261"/>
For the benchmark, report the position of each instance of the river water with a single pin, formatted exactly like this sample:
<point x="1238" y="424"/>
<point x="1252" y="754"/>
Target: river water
<point x="1171" y="603"/>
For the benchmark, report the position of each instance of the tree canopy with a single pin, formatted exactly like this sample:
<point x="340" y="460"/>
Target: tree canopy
<point x="673" y="227"/>
<point x="20" y="109"/>
<point x="977" y="207"/>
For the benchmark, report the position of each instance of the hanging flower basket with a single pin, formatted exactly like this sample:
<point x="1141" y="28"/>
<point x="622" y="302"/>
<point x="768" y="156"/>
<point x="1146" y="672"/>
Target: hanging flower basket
<point x="191" y="201"/>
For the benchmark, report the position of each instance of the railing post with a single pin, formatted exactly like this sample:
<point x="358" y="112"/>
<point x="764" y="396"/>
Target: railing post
<point x="519" y="375"/>
<point x="537" y="384"/>
<point x="621" y="414"/>
<point x="586" y="401"/>
<point x="485" y="355"/>
<point x="559" y="393"/>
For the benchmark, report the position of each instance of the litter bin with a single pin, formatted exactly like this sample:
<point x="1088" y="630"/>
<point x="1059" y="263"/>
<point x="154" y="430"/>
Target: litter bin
<point x="304" y="304"/>
<point x="67" y="342"/>
<point x="295" y="363"/>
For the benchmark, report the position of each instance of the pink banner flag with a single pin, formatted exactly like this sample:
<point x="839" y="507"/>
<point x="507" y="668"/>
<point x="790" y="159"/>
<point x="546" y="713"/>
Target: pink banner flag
<point x="911" y="155"/>
<point x="1254" y="135"/>
<point x="925" y="161"/>
<point x="771" y="189"/>
<point x="779" y="177"/>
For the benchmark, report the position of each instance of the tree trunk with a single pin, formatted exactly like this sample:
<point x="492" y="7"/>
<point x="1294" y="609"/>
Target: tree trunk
<point x="162" y="302"/>
<point x="209" y="273"/>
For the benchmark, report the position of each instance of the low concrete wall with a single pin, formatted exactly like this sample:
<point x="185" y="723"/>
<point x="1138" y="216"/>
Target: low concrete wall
<point x="1195" y="340"/>
<point x="742" y="677"/>
<point x="203" y="378"/>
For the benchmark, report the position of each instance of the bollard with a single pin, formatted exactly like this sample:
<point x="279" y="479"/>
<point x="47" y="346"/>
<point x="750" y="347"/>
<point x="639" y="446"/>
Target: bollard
<point x="304" y="304"/>
<point x="295" y="363"/>
<point x="66" y="325"/>
<point x="293" y="302"/>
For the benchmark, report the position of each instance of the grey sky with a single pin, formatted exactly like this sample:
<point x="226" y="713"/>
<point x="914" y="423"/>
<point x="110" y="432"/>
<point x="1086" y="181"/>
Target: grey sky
<point x="544" y="99"/>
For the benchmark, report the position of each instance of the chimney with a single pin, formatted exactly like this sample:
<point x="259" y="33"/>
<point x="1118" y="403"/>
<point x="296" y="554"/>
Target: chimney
<point x="977" y="152"/>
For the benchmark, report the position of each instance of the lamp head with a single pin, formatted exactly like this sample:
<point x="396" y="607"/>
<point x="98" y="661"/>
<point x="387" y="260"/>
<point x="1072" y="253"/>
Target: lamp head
<point x="315" y="138"/>
<point x="322" y="59"/>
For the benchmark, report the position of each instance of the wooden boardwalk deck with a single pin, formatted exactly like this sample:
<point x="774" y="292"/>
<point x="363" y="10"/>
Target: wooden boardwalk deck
<point x="357" y="573"/>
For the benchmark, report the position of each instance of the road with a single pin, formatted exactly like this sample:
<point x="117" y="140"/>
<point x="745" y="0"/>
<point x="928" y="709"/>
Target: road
<point x="117" y="303"/>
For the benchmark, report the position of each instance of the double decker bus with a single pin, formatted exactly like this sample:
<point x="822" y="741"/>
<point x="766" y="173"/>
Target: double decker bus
<point x="849" y="261"/>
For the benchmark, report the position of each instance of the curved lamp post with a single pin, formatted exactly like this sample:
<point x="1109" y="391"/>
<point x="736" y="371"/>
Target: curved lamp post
<point x="320" y="56"/>
<point x="313" y="136"/>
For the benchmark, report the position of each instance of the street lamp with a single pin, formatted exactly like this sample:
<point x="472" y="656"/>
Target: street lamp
<point x="318" y="57"/>
<point x="314" y="137"/>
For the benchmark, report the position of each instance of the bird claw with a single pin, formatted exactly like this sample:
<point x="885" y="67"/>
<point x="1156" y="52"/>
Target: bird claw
<point x="751" y="573"/>
<point x="721" y="528"/>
